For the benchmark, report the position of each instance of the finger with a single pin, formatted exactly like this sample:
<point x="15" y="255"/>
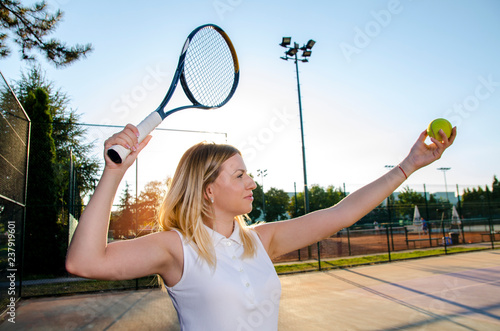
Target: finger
<point x="452" y="136"/>
<point x="422" y="136"/>
<point x="126" y="138"/>
<point x="133" y="155"/>
<point x="444" y="137"/>
<point x="439" y="144"/>
<point x="132" y="136"/>
<point x="134" y="129"/>
<point x="447" y="141"/>
<point x="436" y="141"/>
<point x="121" y="139"/>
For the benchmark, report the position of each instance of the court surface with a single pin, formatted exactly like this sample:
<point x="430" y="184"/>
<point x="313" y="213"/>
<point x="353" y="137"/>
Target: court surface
<point x="454" y="292"/>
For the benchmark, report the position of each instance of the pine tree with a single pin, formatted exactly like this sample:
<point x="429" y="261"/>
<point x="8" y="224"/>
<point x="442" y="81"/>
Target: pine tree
<point x="42" y="233"/>
<point x="68" y="138"/>
<point x="124" y="225"/>
<point x="495" y="188"/>
<point x="31" y="26"/>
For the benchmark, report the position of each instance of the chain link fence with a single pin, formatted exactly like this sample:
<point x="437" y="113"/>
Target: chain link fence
<point x="387" y="229"/>
<point x="14" y="149"/>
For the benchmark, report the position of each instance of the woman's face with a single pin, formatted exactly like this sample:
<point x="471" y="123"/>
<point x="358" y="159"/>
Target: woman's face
<point x="232" y="190"/>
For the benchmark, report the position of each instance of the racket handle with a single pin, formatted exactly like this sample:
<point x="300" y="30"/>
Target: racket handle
<point x="118" y="153"/>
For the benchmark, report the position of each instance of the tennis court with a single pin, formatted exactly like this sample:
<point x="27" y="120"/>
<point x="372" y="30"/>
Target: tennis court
<point x="453" y="292"/>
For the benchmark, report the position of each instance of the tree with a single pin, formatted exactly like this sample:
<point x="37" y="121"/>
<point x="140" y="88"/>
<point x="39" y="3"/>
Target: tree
<point x="277" y="202"/>
<point x="319" y="198"/>
<point x="379" y="214"/>
<point x="257" y="203"/>
<point x="42" y="235"/>
<point x="124" y="226"/>
<point x="405" y="205"/>
<point x="296" y="206"/>
<point x="479" y="202"/>
<point x="68" y="138"/>
<point x="31" y="25"/>
<point x="148" y="202"/>
<point x="137" y="218"/>
<point x="495" y="190"/>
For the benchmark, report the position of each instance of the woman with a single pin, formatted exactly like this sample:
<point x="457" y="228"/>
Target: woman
<point x="217" y="270"/>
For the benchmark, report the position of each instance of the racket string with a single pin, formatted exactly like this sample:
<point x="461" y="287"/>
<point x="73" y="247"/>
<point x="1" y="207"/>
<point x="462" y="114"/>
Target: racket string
<point x="209" y="68"/>
<point x="210" y="83"/>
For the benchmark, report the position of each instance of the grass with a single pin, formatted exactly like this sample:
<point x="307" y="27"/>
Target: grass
<point x="369" y="259"/>
<point x="89" y="286"/>
<point x="86" y="286"/>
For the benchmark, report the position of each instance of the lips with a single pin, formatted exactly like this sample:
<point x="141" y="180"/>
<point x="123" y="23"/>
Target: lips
<point x="249" y="197"/>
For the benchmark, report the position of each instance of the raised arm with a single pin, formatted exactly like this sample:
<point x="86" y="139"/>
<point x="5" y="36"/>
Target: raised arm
<point x="89" y="255"/>
<point x="285" y="236"/>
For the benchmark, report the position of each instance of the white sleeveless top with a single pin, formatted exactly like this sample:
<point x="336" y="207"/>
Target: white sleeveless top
<point x="239" y="294"/>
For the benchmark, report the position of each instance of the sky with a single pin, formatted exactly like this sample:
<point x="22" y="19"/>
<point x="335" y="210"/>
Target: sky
<point x="380" y="71"/>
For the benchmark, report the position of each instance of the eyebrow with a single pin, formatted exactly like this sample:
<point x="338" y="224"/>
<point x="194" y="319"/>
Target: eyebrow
<point x="242" y="170"/>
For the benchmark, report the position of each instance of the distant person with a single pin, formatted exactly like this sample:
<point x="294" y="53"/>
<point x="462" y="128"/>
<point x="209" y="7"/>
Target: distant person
<point x="217" y="270"/>
<point x="425" y="226"/>
<point x="375" y="225"/>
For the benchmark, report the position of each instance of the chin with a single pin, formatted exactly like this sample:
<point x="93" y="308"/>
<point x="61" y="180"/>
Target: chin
<point x="247" y="210"/>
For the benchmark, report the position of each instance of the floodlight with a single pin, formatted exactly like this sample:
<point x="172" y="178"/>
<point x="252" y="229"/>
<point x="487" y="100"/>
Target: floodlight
<point x="306" y="53"/>
<point x="310" y="44"/>
<point x="286" y="41"/>
<point x="291" y="52"/>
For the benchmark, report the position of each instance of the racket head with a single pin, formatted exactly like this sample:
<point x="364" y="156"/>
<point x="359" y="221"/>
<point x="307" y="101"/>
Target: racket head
<point x="210" y="70"/>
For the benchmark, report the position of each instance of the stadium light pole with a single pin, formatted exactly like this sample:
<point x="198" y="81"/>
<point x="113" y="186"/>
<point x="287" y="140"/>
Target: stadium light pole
<point x="389" y="166"/>
<point x="444" y="169"/>
<point x="291" y="54"/>
<point x="262" y="174"/>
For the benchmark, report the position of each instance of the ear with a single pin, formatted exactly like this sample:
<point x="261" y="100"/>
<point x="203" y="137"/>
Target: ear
<point x="209" y="192"/>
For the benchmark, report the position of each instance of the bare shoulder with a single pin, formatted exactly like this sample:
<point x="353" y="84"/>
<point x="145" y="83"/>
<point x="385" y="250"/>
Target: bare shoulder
<point x="170" y="246"/>
<point x="268" y="229"/>
<point x="167" y="241"/>
<point x="265" y="231"/>
<point x="284" y="236"/>
<point x="166" y="237"/>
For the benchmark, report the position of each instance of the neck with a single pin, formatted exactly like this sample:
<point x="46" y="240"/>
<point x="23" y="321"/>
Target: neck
<point x="225" y="228"/>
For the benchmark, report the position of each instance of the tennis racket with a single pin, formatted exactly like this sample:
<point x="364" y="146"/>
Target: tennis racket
<point x="208" y="71"/>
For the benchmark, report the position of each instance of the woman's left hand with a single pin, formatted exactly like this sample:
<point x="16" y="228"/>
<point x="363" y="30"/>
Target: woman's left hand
<point x="422" y="154"/>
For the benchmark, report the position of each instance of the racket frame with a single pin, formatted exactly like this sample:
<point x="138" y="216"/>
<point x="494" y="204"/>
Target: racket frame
<point x="117" y="153"/>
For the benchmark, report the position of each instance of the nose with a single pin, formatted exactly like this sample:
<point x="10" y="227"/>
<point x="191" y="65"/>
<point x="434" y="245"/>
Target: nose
<point x="251" y="183"/>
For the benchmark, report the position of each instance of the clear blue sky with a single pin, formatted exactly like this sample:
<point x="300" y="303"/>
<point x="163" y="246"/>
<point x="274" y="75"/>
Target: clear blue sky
<point x="379" y="73"/>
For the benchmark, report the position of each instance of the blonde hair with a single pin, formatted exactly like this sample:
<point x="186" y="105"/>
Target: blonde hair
<point x="185" y="204"/>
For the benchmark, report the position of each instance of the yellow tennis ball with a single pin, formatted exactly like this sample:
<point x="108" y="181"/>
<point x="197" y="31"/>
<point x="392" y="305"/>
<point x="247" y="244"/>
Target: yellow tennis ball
<point x="439" y="124"/>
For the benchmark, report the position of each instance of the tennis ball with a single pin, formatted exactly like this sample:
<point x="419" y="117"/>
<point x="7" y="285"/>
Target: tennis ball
<point x="439" y="124"/>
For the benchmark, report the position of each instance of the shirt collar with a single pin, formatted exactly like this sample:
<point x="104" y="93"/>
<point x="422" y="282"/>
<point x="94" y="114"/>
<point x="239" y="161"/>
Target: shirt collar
<point x="217" y="238"/>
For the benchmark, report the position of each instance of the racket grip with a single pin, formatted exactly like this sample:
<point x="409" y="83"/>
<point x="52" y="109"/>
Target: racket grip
<point x="118" y="153"/>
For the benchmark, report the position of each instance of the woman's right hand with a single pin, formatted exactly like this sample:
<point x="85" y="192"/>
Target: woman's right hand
<point x="127" y="138"/>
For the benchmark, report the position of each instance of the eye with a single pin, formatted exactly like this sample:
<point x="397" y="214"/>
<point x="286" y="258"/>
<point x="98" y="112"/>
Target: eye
<point x="240" y="175"/>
